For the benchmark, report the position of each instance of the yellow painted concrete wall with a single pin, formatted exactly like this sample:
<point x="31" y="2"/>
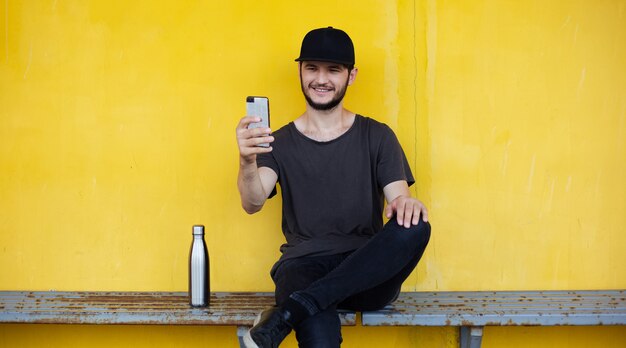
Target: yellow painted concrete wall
<point x="117" y="134"/>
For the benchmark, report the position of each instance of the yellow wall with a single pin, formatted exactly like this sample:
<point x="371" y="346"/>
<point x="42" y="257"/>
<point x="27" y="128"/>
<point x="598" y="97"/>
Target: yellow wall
<point x="117" y="135"/>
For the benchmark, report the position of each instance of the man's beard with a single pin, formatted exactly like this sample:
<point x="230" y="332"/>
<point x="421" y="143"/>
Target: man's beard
<point x="325" y="106"/>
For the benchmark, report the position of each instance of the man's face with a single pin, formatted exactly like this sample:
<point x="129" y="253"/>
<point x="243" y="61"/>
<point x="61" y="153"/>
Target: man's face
<point x="324" y="84"/>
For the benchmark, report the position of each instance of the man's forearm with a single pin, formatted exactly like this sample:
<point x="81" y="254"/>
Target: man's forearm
<point x="251" y="190"/>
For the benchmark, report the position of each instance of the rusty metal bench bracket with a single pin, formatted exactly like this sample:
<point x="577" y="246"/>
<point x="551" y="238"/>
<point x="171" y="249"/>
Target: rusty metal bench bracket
<point x="470" y="336"/>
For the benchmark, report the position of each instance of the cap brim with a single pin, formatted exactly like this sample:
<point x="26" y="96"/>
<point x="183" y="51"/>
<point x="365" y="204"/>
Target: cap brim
<point x="311" y="59"/>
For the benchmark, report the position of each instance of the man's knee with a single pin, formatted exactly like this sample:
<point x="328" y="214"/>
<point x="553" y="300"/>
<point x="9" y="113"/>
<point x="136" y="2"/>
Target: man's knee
<point x="414" y="235"/>
<point x="423" y="230"/>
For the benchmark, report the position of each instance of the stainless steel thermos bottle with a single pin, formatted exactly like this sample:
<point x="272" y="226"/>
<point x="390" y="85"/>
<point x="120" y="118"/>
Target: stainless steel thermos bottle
<point x="199" y="286"/>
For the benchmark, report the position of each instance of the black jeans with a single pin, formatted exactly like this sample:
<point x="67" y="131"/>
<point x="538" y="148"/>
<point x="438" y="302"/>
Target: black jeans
<point x="368" y="278"/>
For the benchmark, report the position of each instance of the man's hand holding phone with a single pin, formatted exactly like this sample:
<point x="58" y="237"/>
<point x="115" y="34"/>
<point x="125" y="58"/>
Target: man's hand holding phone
<point x="253" y="132"/>
<point x="249" y="139"/>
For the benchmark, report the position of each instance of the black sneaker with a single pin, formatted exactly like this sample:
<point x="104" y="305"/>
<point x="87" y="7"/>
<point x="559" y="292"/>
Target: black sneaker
<point x="269" y="330"/>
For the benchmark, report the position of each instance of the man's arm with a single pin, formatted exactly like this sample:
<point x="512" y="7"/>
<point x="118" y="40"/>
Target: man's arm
<point x="255" y="184"/>
<point x="399" y="202"/>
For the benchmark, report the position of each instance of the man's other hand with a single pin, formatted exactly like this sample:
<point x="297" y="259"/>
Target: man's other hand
<point x="407" y="211"/>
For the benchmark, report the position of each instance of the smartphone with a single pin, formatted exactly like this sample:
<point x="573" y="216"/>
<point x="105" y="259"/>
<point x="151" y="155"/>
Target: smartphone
<point x="259" y="107"/>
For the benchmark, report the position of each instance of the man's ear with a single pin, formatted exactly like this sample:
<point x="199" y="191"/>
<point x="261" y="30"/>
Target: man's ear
<point x="352" y="76"/>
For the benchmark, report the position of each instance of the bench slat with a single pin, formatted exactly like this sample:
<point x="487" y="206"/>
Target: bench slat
<point x="503" y="308"/>
<point x="238" y="309"/>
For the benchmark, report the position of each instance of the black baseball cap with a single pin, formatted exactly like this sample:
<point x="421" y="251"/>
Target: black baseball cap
<point x="327" y="45"/>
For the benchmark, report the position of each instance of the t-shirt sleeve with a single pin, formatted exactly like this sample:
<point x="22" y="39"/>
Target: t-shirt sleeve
<point x="392" y="164"/>
<point x="268" y="160"/>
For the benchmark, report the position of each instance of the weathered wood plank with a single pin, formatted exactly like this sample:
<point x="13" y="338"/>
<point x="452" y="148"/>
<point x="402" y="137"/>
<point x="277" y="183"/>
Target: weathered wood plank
<point x="238" y="309"/>
<point x="503" y="308"/>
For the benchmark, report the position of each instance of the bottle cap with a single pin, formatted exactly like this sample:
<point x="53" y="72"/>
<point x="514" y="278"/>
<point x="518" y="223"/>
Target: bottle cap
<point x="198" y="230"/>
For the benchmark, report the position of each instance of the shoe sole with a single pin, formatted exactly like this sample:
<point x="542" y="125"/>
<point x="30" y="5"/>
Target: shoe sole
<point x="248" y="342"/>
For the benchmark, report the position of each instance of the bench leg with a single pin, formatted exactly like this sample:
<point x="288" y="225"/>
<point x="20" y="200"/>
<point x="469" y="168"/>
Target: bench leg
<point x="241" y="331"/>
<point x="471" y="336"/>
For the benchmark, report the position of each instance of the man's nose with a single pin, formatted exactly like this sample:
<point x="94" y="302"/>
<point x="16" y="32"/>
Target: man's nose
<point x="322" y="78"/>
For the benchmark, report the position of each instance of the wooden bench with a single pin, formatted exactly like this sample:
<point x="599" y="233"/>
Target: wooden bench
<point x="146" y="308"/>
<point x="470" y="311"/>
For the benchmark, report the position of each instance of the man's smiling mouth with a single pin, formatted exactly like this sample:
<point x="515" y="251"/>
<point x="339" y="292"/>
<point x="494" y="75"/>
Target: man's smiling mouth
<point x="322" y="89"/>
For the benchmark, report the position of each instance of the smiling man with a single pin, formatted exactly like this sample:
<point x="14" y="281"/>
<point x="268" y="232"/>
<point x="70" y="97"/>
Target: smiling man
<point x="336" y="169"/>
